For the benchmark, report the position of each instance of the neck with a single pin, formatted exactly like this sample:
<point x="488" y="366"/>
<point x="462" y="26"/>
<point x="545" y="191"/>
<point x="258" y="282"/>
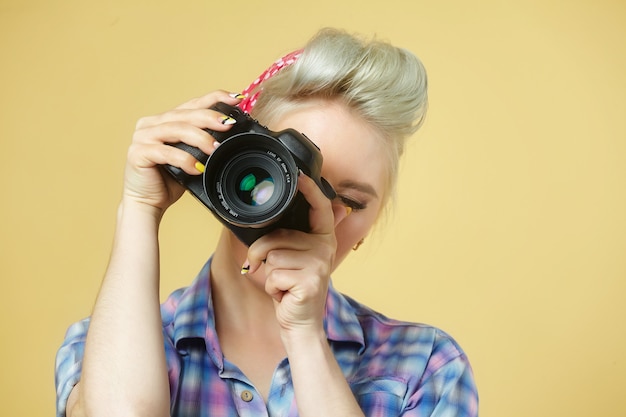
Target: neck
<point x="239" y="302"/>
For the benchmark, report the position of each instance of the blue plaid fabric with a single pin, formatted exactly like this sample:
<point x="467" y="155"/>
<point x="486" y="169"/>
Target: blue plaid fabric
<point x="394" y="368"/>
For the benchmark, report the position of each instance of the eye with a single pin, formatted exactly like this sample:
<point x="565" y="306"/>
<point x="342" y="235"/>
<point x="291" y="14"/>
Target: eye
<point x="353" y="204"/>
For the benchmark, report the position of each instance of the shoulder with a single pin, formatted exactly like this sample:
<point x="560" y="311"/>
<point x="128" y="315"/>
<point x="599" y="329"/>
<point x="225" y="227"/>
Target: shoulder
<point x="413" y="367"/>
<point x="407" y="347"/>
<point x="170" y="306"/>
<point x="185" y="311"/>
<point x="380" y="329"/>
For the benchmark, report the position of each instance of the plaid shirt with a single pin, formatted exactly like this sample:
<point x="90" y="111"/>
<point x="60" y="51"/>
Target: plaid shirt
<point x="393" y="368"/>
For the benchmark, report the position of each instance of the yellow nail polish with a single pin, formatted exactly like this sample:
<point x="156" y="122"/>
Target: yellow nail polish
<point x="237" y="96"/>
<point x="348" y="210"/>
<point x="226" y="120"/>
<point x="245" y="269"/>
<point x="199" y="166"/>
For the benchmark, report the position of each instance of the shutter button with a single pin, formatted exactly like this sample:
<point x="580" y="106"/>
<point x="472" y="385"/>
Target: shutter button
<point x="247" y="396"/>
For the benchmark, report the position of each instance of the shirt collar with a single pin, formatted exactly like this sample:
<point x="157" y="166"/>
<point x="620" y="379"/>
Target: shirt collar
<point x="195" y="318"/>
<point x="194" y="313"/>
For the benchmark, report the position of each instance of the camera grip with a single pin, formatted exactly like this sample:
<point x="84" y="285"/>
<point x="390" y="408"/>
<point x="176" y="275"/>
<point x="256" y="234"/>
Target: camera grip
<point x="181" y="176"/>
<point x="195" y="152"/>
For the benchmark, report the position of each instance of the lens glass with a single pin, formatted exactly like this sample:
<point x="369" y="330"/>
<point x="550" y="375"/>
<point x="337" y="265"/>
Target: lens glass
<point x="256" y="187"/>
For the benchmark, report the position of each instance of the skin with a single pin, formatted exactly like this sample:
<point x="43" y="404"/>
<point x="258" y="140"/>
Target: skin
<point x="274" y="310"/>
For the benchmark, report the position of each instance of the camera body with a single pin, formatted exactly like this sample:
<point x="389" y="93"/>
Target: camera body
<point x="250" y="182"/>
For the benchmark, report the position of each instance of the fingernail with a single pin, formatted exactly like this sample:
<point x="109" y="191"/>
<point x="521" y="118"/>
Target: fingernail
<point x="348" y="210"/>
<point x="199" y="166"/>
<point x="245" y="268"/>
<point x="237" y="96"/>
<point x="216" y="144"/>
<point x="227" y="120"/>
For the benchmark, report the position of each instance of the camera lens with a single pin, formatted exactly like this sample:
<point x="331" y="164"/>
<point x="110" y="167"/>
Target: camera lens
<point x="250" y="180"/>
<point x="256" y="187"/>
<point x="252" y="184"/>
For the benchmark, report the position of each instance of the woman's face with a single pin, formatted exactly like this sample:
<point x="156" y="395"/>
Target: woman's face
<point x="353" y="164"/>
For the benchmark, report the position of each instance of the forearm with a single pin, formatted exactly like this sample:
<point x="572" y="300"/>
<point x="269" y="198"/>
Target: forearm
<point x="320" y="387"/>
<point x="124" y="369"/>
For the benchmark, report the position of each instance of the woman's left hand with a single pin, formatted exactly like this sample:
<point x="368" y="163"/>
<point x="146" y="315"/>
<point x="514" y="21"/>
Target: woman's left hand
<point x="297" y="265"/>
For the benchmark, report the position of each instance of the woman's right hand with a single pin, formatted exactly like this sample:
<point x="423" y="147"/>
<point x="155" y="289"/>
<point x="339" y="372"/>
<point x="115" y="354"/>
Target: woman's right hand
<point x="144" y="182"/>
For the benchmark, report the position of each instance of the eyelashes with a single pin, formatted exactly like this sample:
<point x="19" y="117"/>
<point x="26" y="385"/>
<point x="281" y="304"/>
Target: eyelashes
<point x="353" y="204"/>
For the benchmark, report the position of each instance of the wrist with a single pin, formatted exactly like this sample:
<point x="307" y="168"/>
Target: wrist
<point x="303" y="339"/>
<point x="317" y="375"/>
<point x="129" y="207"/>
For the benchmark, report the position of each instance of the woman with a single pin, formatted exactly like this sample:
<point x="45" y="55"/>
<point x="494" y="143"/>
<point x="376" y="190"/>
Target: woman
<point x="261" y="331"/>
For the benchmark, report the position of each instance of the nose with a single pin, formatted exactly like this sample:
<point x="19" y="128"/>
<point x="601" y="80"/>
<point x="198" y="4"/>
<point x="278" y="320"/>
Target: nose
<point x="340" y="211"/>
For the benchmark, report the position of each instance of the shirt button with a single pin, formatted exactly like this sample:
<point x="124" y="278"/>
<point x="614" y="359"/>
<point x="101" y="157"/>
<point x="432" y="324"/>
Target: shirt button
<point x="247" y="396"/>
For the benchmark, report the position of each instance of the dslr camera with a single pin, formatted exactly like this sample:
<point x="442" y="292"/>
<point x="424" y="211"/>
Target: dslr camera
<point x="250" y="182"/>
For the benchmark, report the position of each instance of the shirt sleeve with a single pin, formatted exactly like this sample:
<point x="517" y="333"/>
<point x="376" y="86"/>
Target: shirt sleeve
<point x="69" y="363"/>
<point x="69" y="358"/>
<point x="450" y="391"/>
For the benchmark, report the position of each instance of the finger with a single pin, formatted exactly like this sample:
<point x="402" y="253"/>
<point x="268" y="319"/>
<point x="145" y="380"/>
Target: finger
<point x="298" y="283"/>
<point x="277" y="240"/>
<point x="208" y="100"/>
<point x="176" y="132"/>
<point x="296" y="262"/>
<point x="280" y="282"/>
<point x="201" y="118"/>
<point x="290" y="258"/>
<point x="150" y="155"/>
<point x="321" y="218"/>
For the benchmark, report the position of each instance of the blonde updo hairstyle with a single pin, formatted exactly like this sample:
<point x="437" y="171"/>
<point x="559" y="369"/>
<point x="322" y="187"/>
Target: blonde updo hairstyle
<point x="384" y="85"/>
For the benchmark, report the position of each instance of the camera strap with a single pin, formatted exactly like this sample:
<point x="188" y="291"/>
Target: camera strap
<point x="253" y="90"/>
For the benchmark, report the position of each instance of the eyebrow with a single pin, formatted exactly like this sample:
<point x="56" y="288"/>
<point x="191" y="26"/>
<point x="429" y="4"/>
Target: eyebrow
<point x="359" y="186"/>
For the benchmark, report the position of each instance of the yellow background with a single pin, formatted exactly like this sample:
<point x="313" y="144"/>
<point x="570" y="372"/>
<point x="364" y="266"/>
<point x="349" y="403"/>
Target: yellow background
<point x="510" y="232"/>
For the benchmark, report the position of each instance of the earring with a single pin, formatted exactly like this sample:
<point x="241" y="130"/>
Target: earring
<point x="358" y="244"/>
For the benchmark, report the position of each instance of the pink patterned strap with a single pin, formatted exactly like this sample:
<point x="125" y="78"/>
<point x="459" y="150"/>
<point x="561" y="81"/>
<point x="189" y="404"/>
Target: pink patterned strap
<point x="248" y="103"/>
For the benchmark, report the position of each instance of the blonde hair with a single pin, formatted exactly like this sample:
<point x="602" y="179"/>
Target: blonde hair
<point x="384" y="85"/>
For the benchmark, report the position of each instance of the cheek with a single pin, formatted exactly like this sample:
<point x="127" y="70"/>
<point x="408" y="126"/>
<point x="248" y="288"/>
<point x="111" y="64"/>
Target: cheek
<point x="352" y="229"/>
